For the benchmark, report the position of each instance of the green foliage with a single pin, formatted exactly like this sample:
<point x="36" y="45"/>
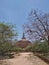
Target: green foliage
<point x="41" y="47"/>
<point x="38" y="47"/>
<point x="15" y="49"/>
<point x="5" y="48"/>
<point x="7" y="33"/>
<point x="28" y="48"/>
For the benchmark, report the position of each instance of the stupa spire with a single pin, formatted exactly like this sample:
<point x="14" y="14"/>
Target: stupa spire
<point x="23" y="36"/>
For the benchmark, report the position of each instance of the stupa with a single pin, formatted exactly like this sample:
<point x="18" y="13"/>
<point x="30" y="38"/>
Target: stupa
<point x="23" y="43"/>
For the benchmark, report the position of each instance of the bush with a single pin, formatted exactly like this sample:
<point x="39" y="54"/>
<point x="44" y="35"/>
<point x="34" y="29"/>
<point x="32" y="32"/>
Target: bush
<point x="28" y="48"/>
<point x="40" y="47"/>
<point x="15" y="49"/>
<point x="5" y="48"/>
<point x="43" y="48"/>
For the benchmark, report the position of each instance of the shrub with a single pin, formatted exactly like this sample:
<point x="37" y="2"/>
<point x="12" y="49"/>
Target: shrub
<point x="5" y="48"/>
<point x="16" y="49"/>
<point x="41" y="47"/>
<point x="28" y="48"/>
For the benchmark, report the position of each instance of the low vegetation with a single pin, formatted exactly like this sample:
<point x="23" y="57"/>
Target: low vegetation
<point x="7" y="34"/>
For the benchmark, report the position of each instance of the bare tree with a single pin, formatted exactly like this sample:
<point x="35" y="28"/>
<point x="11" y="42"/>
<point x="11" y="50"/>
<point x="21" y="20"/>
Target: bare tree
<point x="38" y="26"/>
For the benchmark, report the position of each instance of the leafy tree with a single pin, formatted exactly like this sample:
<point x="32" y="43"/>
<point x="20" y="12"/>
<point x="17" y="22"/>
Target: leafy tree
<point x="7" y="34"/>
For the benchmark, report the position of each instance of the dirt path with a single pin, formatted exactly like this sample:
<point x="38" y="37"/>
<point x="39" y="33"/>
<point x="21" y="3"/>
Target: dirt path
<point x="24" y="59"/>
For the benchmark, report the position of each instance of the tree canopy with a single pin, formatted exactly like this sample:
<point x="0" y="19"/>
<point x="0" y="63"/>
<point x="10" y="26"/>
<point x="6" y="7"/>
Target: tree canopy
<point x="38" y="26"/>
<point x="7" y="32"/>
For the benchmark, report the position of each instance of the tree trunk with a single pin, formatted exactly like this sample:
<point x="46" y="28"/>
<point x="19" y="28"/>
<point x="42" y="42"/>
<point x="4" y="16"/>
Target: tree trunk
<point x="48" y="40"/>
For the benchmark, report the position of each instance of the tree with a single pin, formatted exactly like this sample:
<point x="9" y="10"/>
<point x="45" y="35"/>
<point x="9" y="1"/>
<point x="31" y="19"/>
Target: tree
<point x="7" y="34"/>
<point x="38" y="26"/>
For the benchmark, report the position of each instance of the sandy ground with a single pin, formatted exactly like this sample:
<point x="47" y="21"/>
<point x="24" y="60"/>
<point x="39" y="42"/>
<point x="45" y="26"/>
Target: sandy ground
<point x="26" y="59"/>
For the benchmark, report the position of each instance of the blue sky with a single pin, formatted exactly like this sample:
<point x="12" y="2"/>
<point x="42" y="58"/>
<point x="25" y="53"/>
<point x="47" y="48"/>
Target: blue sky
<point x="16" y="11"/>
